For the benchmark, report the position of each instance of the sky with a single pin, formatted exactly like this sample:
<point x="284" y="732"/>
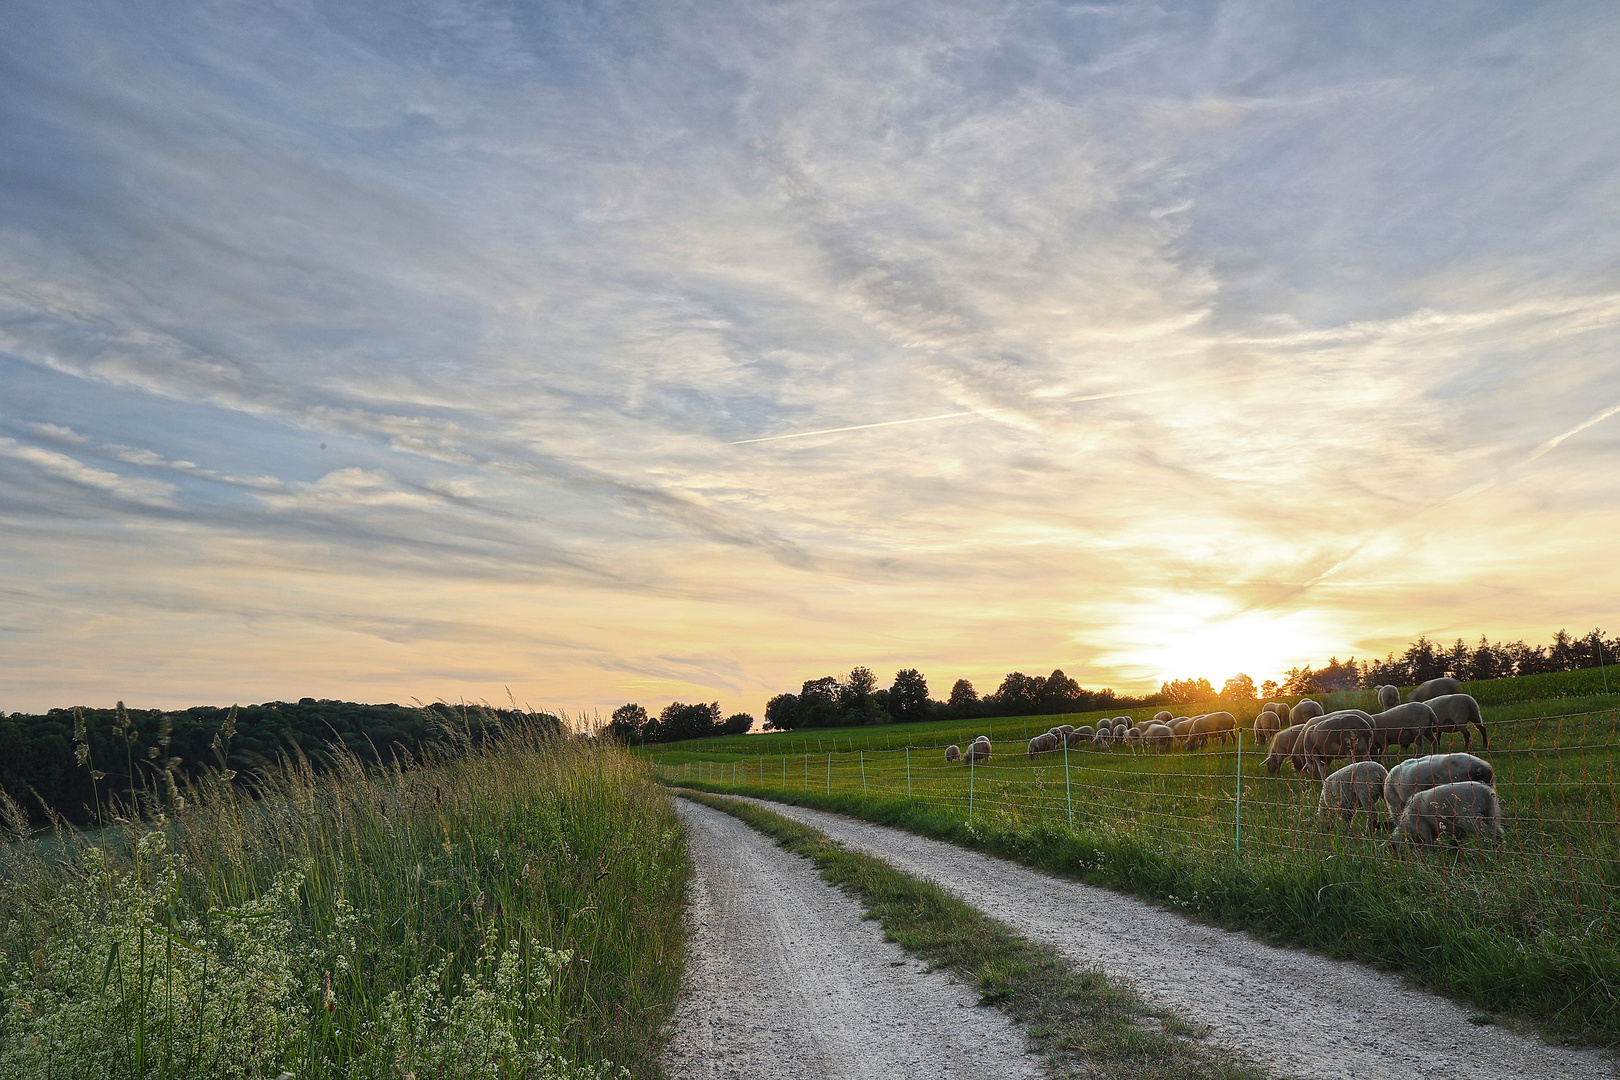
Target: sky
<point x="585" y="353"/>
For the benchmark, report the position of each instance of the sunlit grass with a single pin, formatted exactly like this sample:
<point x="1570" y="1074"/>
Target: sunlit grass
<point x="510" y="908"/>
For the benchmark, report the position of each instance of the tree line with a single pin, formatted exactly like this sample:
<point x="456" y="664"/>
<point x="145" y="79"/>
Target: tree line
<point x="1423" y="660"/>
<point x="71" y="761"/>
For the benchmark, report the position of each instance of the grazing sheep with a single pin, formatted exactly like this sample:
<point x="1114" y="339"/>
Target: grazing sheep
<point x="1389" y="697"/>
<point x="1355" y="787"/>
<point x="1065" y="730"/>
<point x="1454" y="712"/>
<point x="1180" y="727"/>
<point x="1455" y="809"/>
<point x="1082" y="734"/>
<point x="1133" y="738"/>
<point x="1280" y="708"/>
<point x="1162" y="717"/>
<point x="978" y="750"/>
<point x="1157" y="736"/>
<point x="953" y="753"/>
<point x="1266" y="724"/>
<point x="1217" y="725"/>
<point x="1343" y="734"/>
<point x="1285" y="747"/>
<point x="1417" y="774"/>
<point x="1044" y="744"/>
<point x="1104" y="736"/>
<point x="1403" y="725"/>
<point x="1306" y="710"/>
<point x="1436" y="688"/>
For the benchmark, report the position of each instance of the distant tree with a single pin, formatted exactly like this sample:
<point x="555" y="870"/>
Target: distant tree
<point x="964" y="699"/>
<point x="1336" y="677"/>
<point x="1269" y="688"/>
<point x="1106" y="698"/>
<point x="855" y="696"/>
<point x="1018" y="695"/>
<point x="1239" y="688"/>
<point x="1187" y="691"/>
<point x="629" y="723"/>
<point x="1061" y="694"/>
<point x="818" y="702"/>
<point x="782" y="713"/>
<point x="908" y="696"/>
<point x="679" y="721"/>
<point x="737" y="724"/>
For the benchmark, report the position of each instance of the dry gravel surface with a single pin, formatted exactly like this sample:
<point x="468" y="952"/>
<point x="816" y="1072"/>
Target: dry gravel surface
<point x="785" y="979"/>
<point x="1297" y="1013"/>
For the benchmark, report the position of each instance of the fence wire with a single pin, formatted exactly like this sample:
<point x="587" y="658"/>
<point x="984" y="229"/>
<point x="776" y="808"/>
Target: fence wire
<point x="1556" y="866"/>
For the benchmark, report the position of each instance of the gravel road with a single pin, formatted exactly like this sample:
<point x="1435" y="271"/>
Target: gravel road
<point x="1296" y="1012"/>
<point x="785" y="979"/>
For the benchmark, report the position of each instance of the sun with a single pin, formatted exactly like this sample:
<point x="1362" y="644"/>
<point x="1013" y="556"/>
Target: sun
<point x="1191" y="637"/>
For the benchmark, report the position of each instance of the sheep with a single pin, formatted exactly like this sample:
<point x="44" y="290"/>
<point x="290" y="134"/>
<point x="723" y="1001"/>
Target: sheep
<point x="1157" y="736"/>
<point x="1306" y="710"/>
<point x="1454" y="712"/>
<point x="953" y="753"/>
<point x="1104" y="736"/>
<point x="1162" y="717"/>
<point x="1065" y="730"/>
<point x="1080" y="736"/>
<point x="1133" y="738"/>
<point x="1346" y="733"/>
<point x="1278" y="707"/>
<point x="1467" y="807"/>
<point x="1043" y="744"/>
<point x="1266" y="725"/>
<point x="1417" y="774"/>
<point x="1436" y="688"/>
<point x="978" y="750"/>
<point x="1355" y="787"/>
<point x="1284" y="747"/>
<point x="1403" y="725"/>
<point x="1180" y="727"/>
<point x="1389" y="697"/>
<point x="1211" y="725"/>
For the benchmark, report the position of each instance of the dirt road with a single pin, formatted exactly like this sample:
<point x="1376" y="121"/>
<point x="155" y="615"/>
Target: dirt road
<point x="1296" y="1012"/>
<point x="786" y="980"/>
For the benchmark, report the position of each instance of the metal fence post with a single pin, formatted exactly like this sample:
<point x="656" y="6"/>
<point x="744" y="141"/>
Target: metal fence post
<point x="1237" y="827"/>
<point x="1068" y="793"/>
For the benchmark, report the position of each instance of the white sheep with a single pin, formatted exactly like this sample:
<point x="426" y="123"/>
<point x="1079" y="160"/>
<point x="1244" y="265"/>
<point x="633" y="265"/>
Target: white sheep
<point x="1355" y="787"/>
<point x="1044" y="744"/>
<point x="1417" y="774"/>
<point x="1157" y="736"/>
<point x="953" y="753"/>
<point x="1305" y="711"/>
<point x="1454" y="809"/>
<point x="1455" y="712"/>
<point x="1436" y="688"/>
<point x="1388" y="697"/>
<point x="1163" y="716"/>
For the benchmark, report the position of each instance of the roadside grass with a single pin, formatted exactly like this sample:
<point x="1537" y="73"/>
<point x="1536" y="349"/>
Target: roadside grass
<point x="1086" y="1023"/>
<point x="507" y="907"/>
<point x="1434" y="917"/>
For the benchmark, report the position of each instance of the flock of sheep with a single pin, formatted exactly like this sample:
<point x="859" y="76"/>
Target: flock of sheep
<point x="1425" y="796"/>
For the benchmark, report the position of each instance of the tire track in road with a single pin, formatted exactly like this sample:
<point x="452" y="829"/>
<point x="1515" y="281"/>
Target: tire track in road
<point x="786" y="979"/>
<point x="1293" y="1011"/>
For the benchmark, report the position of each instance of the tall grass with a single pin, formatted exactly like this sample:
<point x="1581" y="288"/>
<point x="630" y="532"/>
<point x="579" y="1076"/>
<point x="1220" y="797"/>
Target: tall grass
<point x="510" y="908"/>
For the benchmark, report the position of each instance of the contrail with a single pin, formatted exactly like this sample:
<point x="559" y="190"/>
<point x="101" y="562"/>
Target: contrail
<point x="1576" y="430"/>
<point x="863" y="427"/>
<point x="943" y="416"/>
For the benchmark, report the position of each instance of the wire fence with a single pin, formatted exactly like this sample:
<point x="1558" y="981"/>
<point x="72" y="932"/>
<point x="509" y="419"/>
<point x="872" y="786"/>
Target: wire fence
<point x="1557" y="861"/>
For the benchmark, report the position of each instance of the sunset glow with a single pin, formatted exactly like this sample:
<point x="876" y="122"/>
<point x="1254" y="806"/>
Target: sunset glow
<point x="380" y="352"/>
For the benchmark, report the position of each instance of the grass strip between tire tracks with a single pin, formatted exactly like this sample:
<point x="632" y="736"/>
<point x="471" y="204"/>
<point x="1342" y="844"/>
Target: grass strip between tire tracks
<point x="1086" y="1023"/>
<point x="1562" y="985"/>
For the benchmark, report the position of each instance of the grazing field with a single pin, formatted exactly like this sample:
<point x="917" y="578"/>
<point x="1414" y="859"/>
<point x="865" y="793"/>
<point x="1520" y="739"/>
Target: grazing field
<point x="507" y="909"/>
<point x="1528" y="926"/>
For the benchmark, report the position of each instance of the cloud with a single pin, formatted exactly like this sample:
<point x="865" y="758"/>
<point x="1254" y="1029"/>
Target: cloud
<point x="733" y="343"/>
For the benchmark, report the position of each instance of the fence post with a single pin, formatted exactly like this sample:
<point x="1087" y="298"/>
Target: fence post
<point x="1237" y="826"/>
<point x="908" y="774"/>
<point x="1068" y="793"/>
<point x="863" y="773"/>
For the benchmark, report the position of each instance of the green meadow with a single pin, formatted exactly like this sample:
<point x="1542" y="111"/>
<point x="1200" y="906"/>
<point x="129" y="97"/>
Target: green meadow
<point x="1527" y="927"/>
<point x="502" y="907"/>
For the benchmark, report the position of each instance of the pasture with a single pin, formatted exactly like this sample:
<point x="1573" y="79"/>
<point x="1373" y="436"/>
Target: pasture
<point x="1528" y="925"/>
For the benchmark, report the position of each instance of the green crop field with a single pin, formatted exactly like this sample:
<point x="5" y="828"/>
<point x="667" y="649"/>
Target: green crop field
<point x="1528" y="925"/>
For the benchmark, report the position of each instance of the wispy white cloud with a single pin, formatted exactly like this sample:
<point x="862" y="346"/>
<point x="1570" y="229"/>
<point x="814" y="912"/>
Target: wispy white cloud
<point x="1113" y="325"/>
